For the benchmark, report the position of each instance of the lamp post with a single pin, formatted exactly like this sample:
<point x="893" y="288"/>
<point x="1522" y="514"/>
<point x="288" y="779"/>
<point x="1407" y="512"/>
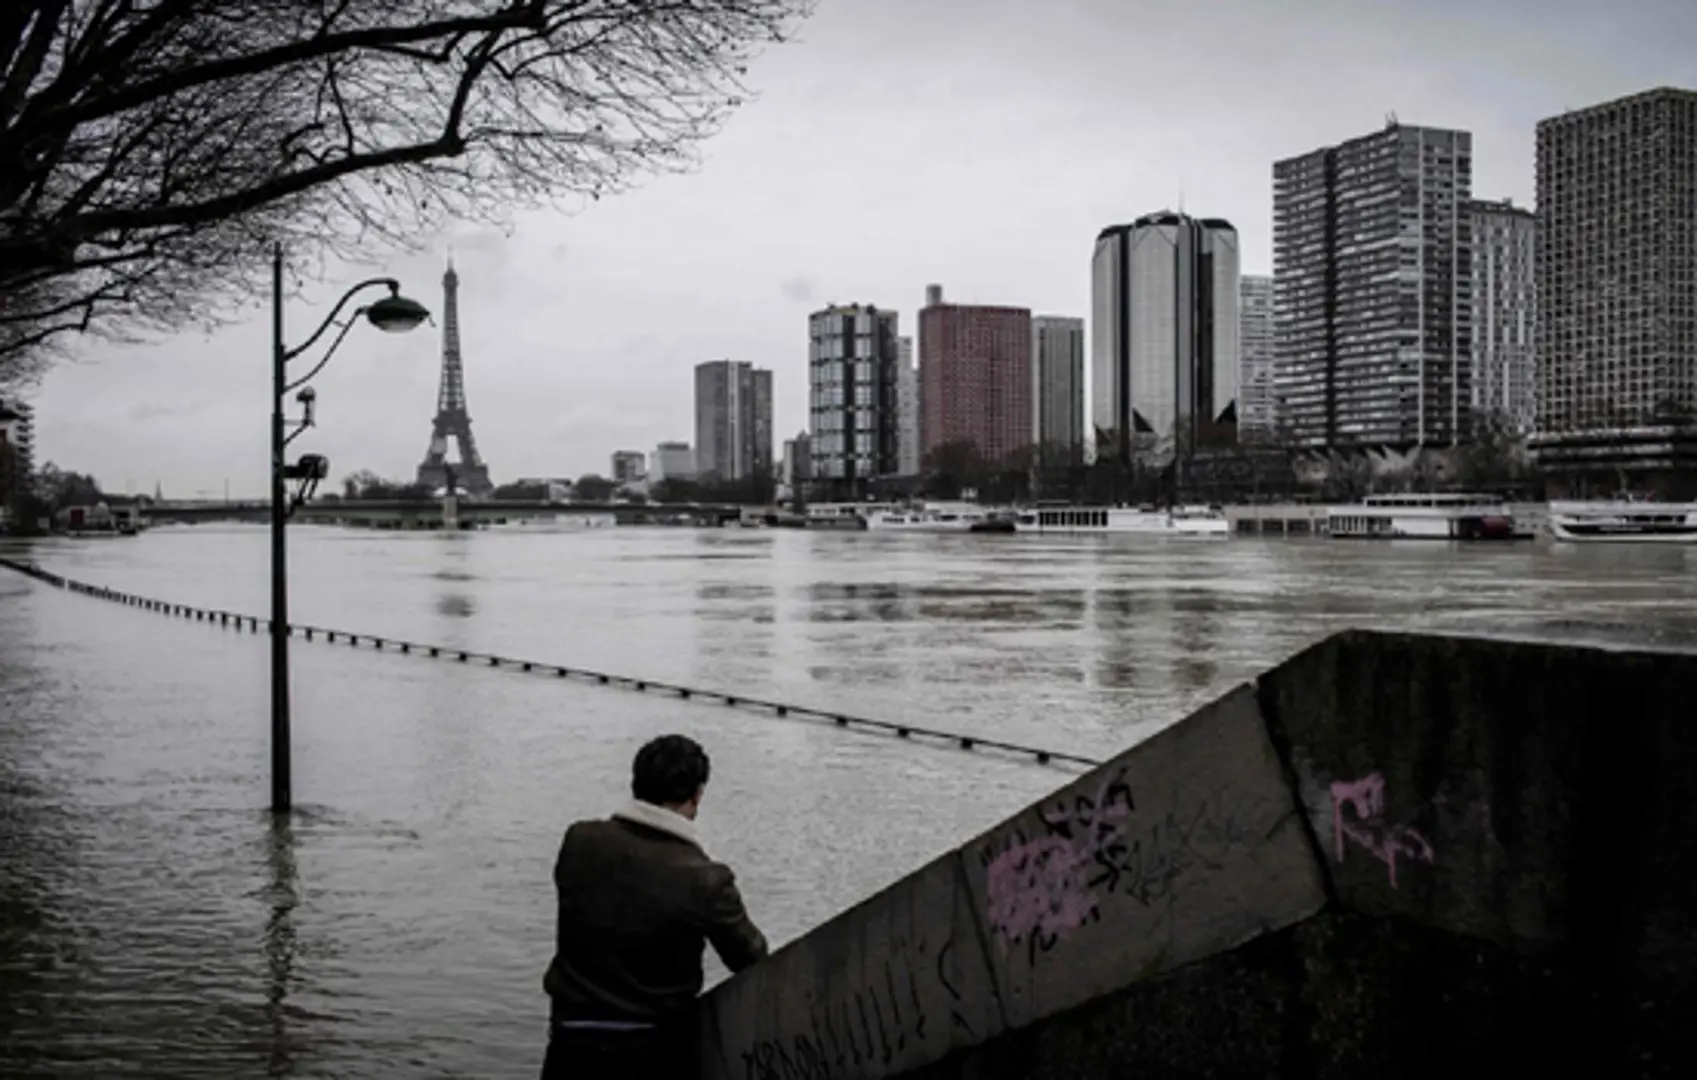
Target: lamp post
<point x="394" y="313"/>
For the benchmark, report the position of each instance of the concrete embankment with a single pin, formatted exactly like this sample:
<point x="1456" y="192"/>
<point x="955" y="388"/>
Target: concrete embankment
<point x="1392" y="855"/>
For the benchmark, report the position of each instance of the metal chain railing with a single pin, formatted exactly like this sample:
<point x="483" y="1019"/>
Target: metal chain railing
<point x="252" y="624"/>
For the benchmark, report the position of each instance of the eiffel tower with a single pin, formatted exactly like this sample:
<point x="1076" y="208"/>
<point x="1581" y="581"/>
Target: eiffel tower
<point x="470" y="475"/>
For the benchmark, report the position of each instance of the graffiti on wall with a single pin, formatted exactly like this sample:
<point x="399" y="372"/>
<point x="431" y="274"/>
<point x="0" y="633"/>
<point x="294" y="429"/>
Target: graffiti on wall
<point x="1358" y="817"/>
<point x="871" y="1024"/>
<point x="1360" y="820"/>
<point x="1095" y="846"/>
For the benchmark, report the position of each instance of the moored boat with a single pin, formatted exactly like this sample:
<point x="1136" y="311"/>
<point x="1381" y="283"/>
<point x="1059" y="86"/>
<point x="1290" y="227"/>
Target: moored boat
<point x="1623" y="520"/>
<point x="1426" y="516"/>
<point x="939" y="517"/>
<point x="1176" y="521"/>
<point x="839" y="515"/>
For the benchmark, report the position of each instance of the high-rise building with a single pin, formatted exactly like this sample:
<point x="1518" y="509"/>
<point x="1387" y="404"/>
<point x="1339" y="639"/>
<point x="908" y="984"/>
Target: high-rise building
<point x="853" y="413"/>
<point x="629" y="466"/>
<point x="907" y="411"/>
<point x="17" y="429"/>
<point x="1617" y="287"/>
<point x="1372" y="289"/>
<point x="671" y="461"/>
<point x="1164" y="329"/>
<point x="1505" y="314"/>
<point x="1057" y="389"/>
<point x="1257" y="393"/>
<point x="974" y="377"/>
<point x="733" y="420"/>
<point x="798" y="460"/>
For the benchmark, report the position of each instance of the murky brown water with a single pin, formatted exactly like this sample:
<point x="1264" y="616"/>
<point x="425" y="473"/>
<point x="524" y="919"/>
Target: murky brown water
<point x="153" y="922"/>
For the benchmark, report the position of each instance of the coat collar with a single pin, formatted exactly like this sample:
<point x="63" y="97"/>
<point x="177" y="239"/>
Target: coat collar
<point x="661" y="819"/>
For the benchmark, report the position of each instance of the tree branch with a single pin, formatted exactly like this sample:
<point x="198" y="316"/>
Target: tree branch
<point x="517" y="13"/>
<point x="154" y="149"/>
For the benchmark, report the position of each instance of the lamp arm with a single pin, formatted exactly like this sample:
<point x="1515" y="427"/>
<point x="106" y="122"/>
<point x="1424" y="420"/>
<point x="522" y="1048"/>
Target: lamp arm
<point x="394" y="290"/>
<point x="328" y="353"/>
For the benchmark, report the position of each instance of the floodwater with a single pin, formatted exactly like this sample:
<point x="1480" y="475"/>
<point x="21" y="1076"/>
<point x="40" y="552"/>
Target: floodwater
<point x="155" y="922"/>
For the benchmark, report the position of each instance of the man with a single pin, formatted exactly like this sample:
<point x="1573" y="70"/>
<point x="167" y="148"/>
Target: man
<point x="639" y="898"/>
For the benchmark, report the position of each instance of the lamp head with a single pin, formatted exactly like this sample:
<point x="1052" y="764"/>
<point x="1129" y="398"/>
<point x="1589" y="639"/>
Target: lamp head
<point x="312" y="467"/>
<point x="396" y="314"/>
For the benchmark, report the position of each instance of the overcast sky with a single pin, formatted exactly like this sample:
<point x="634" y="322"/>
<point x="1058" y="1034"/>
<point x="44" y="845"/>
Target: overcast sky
<point x="977" y="144"/>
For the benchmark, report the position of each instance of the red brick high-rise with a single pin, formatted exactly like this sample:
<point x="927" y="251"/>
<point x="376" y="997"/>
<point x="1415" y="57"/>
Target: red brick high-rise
<point x="974" y="376"/>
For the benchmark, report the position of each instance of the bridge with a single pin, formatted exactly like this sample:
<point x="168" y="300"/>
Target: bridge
<point x="436" y="514"/>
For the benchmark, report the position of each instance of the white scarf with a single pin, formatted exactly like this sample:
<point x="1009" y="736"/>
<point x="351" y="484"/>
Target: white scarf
<point x="658" y="817"/>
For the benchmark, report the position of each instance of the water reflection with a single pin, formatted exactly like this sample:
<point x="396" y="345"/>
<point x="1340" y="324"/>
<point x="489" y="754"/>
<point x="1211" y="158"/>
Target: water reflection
<point x="1195" y="629"/>
<point x="1131" y="625"/>
<point x="453" y="565"/>
<point x="280" y="940"/>
<point x="455" y="606"/>
<point x="861" y="601"/>
<point x="734" y="617"/>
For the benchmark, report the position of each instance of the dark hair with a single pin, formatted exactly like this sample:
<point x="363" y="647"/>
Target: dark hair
<point x="669" y="770"/>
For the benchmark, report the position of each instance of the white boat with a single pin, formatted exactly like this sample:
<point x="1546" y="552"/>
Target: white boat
<point x="952" y="517"/>
<point x="1426" y="516"/>
<point x="555" y="523"/>
<point x="841" y="515"/>
<point x="1178" y="521"/>
<point x="1623" y="521"/>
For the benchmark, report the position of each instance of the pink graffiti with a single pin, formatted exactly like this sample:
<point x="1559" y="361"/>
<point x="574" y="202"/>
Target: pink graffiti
<point x="1369" y="829"/>
<point x="1036" y="889"/>
<point x="1092" y="820"/>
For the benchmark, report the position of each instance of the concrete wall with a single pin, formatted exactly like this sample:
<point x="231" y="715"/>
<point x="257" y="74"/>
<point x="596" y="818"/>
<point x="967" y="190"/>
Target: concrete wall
<point x="1393" y="854"/>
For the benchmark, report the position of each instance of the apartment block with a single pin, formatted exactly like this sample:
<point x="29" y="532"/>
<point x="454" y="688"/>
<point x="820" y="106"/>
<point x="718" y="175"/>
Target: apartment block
<point x="733" y="420"/>
<point x="17" y="431"/>
<point x="1057" y="390"/>
<point x="1372" y="289"/>
<point x="853" y="386"/>
<point x="671" y="461"/>
<point x="1257" y="391"/>
<point x="798" y="460"/>
<point x="1616" y="273"/>
<point x="974" y="377"/>
<point x="907" y="408"/>
<point x="1505" y="314"/>
<point x="629" y="466"/>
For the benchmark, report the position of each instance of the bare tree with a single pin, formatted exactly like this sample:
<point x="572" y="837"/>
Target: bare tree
<point x="150" y="149"/>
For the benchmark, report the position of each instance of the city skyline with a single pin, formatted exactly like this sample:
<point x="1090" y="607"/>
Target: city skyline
<point x="566" y="363"/>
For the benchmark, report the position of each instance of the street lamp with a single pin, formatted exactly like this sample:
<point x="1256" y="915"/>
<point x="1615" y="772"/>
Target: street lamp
<point x="393" y="313"/>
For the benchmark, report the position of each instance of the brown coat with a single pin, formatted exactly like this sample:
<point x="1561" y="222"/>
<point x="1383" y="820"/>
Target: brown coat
<point x="638" y="901"/>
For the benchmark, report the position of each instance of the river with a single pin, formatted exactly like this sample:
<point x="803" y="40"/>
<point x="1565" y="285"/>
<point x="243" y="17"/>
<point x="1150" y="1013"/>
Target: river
<point x="155" y="922"/>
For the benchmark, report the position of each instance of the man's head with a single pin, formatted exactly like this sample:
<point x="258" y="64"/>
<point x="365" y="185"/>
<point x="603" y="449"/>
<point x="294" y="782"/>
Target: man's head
<point x="670" y="771"/>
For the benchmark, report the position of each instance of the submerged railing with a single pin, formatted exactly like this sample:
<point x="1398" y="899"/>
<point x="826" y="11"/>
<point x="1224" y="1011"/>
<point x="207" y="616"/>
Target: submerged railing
<point x="238" y="621"/>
